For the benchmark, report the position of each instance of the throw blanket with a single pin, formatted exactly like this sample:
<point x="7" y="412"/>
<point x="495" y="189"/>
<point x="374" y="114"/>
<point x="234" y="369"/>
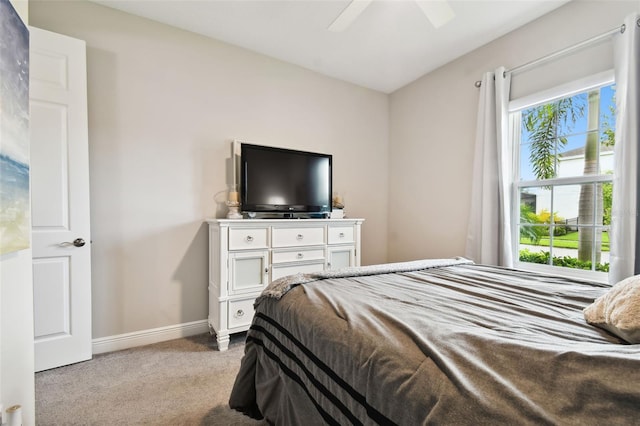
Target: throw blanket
<point x="280" y="287"/>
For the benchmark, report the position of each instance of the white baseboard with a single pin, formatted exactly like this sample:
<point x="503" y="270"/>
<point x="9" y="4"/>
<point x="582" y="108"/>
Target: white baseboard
<point x="146" y="337"/>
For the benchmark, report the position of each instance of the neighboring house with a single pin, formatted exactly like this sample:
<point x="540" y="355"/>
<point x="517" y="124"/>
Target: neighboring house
<point x="565" y="202"/>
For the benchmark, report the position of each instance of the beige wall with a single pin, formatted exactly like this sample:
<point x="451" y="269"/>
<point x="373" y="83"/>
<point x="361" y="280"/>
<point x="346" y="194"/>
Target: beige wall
<point x="164" y="105"/>
<point x="433" y="121"/>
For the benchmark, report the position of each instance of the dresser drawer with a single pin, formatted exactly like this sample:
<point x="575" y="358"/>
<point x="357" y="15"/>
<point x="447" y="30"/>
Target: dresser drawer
<point x="340" y="234"/>
<point x="295" y="237"/>
<point x="283" y="271"/>
<point x="248" y="238"/>
<point x="240" y="312"/>
<point x="301" y="255"/>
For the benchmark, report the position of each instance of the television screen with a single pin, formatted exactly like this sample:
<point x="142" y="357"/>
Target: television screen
<point x="284" y="180"/>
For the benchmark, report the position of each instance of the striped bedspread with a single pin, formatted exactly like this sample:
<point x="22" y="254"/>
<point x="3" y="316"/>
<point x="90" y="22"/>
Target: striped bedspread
<point x="462" y="344"/>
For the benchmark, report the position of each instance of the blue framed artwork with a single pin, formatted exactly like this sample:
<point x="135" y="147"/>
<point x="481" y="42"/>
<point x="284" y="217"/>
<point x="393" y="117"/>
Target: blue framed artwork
<point x="15" y="224"/>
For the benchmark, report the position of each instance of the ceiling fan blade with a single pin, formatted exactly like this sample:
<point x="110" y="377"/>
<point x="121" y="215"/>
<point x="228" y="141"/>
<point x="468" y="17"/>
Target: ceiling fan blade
<point x="348" y="15"/>
<point x="438" y="12"/>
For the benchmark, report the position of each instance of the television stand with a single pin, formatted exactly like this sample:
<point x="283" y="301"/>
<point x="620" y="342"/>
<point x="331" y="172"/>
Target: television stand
<point x="246" y="255"/>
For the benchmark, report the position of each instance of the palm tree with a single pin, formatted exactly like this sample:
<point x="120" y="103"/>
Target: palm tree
<point x="542" y="122"/>
<point x="590" y="193"/>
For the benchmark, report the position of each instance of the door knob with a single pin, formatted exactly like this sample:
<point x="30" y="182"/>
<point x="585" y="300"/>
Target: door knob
<point x="78" y="242"/>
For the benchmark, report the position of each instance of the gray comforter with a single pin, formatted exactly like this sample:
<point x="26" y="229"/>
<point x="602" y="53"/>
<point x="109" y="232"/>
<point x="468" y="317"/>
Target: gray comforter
<point x="463" y="344"/>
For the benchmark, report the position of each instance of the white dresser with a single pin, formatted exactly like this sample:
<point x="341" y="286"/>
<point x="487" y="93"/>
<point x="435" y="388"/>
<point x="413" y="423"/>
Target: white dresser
<point x="246" y="254"/>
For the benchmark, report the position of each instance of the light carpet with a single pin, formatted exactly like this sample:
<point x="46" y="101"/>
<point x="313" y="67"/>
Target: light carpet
<point x="179" y="382"/>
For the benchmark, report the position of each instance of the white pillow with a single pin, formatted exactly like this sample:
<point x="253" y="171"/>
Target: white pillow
<point x="618" y="310"/>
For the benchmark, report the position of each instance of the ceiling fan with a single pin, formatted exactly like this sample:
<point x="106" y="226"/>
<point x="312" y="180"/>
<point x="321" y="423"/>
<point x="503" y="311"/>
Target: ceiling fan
<point x="438" y="12"/>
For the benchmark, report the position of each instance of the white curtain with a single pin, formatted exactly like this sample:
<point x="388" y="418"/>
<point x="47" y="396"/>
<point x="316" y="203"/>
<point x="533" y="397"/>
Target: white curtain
<point x="489" y="230"/>
<point x="624" y="210"/>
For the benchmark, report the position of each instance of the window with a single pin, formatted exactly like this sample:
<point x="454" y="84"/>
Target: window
<point x="563" y="142"/>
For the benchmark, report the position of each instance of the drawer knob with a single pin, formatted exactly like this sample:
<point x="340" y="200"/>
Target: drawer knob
<point x="300" y="255"/>
<point x="341" y="235"/>
<point x="239" y="313"/>
<point x="299" y="237"/>
<point x="249" y="238"/>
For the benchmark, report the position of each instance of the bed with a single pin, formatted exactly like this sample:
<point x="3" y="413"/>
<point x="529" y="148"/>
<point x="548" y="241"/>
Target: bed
<point x="434" y="342"/>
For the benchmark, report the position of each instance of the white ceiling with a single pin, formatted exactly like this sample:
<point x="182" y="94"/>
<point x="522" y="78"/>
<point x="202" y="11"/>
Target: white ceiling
<point x="389" y="45"/>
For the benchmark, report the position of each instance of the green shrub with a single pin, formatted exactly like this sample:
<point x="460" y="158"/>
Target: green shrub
<point x="559" y="231"/>
<point x="564" y="261"/>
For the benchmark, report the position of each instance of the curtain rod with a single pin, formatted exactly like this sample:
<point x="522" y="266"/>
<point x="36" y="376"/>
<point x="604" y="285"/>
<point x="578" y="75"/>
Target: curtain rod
<point x="562" y="52"/>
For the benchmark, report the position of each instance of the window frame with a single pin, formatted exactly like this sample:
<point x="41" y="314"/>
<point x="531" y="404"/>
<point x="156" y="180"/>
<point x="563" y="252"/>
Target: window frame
<point x="515" y="108"/>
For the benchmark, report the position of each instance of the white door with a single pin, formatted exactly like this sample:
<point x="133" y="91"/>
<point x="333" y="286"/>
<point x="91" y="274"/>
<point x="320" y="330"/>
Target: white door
<point x="60" y="200"/>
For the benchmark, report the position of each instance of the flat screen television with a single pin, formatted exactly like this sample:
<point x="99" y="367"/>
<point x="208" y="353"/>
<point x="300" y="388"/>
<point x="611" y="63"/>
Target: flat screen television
<point x="284" y="181"/>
